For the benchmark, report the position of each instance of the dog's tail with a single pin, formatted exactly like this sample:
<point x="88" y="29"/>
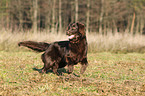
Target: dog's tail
<point x="36" y="46"/>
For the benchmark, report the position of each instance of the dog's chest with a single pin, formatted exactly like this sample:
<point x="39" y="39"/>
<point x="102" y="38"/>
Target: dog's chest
<point x="74" y="58"/>
<point x="76" y="52"/>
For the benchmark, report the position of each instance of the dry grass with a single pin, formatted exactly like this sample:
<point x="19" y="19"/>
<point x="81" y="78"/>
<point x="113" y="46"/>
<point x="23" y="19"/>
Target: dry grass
<point x="97" y="43"/>
<point x="116" y="43"/>
<point x="108" y="74"/>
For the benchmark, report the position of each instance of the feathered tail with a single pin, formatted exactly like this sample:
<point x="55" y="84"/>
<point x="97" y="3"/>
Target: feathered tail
<point x="36" y="46"/>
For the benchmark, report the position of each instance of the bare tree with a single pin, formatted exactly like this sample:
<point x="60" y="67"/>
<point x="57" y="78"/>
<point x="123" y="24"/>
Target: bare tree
<point x="60" y="18"/>
<point x="7" y="11"/>
<point x="53" y="17"/>
<point x="101" y="16"/>
<point x="142" y="24"/>
<point x="20" y="13"/>
<point x="76" y="10"/>
<point x="132" y="24"/>
<point x="88" y="16"/>
<point x="35" y="6"/>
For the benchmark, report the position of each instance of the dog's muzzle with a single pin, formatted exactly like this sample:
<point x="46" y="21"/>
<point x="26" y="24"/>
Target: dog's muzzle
<point x="71" y="36"/>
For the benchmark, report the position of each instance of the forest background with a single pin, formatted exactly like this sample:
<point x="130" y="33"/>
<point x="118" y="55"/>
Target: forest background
<point x="105" y="20"/>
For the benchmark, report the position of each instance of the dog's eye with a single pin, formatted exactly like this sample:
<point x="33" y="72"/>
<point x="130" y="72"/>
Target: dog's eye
<point x="73" y="27"/>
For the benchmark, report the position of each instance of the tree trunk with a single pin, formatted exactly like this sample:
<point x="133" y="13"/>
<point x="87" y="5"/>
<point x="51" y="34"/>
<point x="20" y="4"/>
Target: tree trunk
<point x="35" y="6"/>
<point x="137" y="25"/>
<point x="88" y="16"/>
<point x="142" y="24"/>
<point x="128" y="25"/>
<point x="7" y="7"/>
<point x="53" y="17"/>
<point x="76" y="10"/>
<point x="132" y="25"/>
<point x="60" y="18"/>
<point x="101" y="16"/>
<point x="105" y="28"/>
<point x="20" y="14"/>
<point x="114" y="29"/>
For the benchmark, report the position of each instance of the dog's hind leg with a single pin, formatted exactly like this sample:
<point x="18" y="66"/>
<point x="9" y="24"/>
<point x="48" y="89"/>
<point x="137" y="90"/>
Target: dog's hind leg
<point x="45" y="68"/>
<point x="47" y="64"/>
<point x="54" y="69"/>
<point x="70" y="68"/>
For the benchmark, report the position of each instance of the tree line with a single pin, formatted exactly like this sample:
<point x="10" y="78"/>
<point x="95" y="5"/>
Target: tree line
<point x="100" y="16"/>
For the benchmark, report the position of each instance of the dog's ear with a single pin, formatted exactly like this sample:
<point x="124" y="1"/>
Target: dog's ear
<point x="81" y="28"/>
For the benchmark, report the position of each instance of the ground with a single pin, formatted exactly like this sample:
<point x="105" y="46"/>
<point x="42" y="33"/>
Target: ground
<point x="107" y="74"/>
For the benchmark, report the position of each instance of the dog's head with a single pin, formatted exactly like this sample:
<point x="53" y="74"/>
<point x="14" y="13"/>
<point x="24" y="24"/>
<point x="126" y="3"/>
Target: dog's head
<point x="76" y="32"/>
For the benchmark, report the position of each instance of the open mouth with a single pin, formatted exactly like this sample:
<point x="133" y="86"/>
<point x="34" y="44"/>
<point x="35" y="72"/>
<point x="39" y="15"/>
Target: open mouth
<point x="71" y="36"/>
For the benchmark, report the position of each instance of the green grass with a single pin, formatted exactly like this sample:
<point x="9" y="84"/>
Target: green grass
<point x="107" y="74"/>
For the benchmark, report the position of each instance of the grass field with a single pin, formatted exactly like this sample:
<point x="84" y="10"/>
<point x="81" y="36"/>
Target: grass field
<point x="107" y="74"/>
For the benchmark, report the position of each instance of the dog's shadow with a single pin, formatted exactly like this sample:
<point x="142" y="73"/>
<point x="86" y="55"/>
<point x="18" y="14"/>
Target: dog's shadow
<point x="60" y="71"/>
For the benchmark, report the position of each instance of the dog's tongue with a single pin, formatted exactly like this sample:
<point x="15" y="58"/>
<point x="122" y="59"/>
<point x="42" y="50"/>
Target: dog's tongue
<point x="71" y="36"/>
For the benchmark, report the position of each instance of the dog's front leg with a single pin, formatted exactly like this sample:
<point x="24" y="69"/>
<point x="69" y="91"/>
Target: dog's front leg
<point x="84" y="64"/>
<point x="70" y="65"/>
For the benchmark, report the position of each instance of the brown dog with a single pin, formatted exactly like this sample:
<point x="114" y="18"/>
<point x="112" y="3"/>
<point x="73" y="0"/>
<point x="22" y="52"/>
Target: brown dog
<point x="62" y="53"/>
